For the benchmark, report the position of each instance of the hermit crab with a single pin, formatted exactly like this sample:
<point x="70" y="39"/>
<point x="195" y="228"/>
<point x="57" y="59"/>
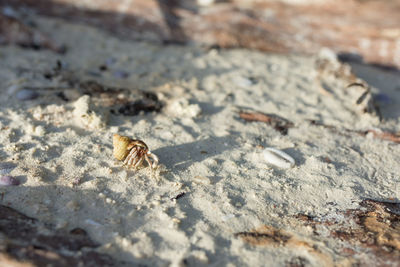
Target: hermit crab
<point x="133" y="152"/>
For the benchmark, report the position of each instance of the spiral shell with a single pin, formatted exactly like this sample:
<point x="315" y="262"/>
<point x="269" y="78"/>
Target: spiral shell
<point x="121" y="146"/>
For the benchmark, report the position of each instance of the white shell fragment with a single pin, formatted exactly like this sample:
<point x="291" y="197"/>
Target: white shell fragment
<point x="278" y="158"/>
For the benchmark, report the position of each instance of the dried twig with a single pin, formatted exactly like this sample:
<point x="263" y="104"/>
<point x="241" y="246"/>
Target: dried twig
<point x="178" y="196"/>
<point x="383" y="135"/>
<point x="280" y="124"/>
<point x="393" y="137"/>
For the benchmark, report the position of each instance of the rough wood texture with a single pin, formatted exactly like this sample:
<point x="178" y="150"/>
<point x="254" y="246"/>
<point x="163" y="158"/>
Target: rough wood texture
<point x="373" y="231"/>
<point x="370" y="29"/>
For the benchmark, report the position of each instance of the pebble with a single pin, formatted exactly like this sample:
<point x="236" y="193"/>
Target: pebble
<point x="278" y="158"/>
<point x="8" y="180"/>
<point x="26" y="94"/>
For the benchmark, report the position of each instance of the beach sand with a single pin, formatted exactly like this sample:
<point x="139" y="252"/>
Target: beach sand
<point x="213" y="187"/>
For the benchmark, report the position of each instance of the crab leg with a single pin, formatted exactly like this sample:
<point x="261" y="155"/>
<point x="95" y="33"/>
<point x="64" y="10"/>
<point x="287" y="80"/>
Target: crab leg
<point x="138" y="163"/>
<point x="132" y="155"/>
<point x="153" y="157"/>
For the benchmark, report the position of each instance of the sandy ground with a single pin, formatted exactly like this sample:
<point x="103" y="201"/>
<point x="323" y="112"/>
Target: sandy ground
<point x="61" y="151"/>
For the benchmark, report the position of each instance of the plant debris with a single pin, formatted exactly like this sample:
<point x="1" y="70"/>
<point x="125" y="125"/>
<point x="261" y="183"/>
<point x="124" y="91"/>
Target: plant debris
<point x="128" y="102"/>
<point x="383" y="135"/>
<point x="393" y="137"/>
<point x="278" y="123"/>
<point x="92" y="87"/>
<point x="178" y="196"/>
<point x="148" y="103"/>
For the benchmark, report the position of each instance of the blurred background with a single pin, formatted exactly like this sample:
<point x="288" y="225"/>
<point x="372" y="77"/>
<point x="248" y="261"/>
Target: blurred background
<point x="365" y="31"/>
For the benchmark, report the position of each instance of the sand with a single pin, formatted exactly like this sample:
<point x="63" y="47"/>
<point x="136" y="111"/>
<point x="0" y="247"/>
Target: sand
<point x="61" y="150"/>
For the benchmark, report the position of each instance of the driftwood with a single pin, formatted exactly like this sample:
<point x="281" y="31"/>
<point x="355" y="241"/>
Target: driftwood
<point x="360" y="29"/>
<point x="370" y="228"/>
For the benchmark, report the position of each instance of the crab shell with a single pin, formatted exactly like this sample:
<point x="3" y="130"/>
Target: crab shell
<point x="123" y="144"/>
<point x="120" y="144"/>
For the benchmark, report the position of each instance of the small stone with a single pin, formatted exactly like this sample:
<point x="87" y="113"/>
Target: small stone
<point x="8" y="180"/>
<point x="26" y="94"/>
